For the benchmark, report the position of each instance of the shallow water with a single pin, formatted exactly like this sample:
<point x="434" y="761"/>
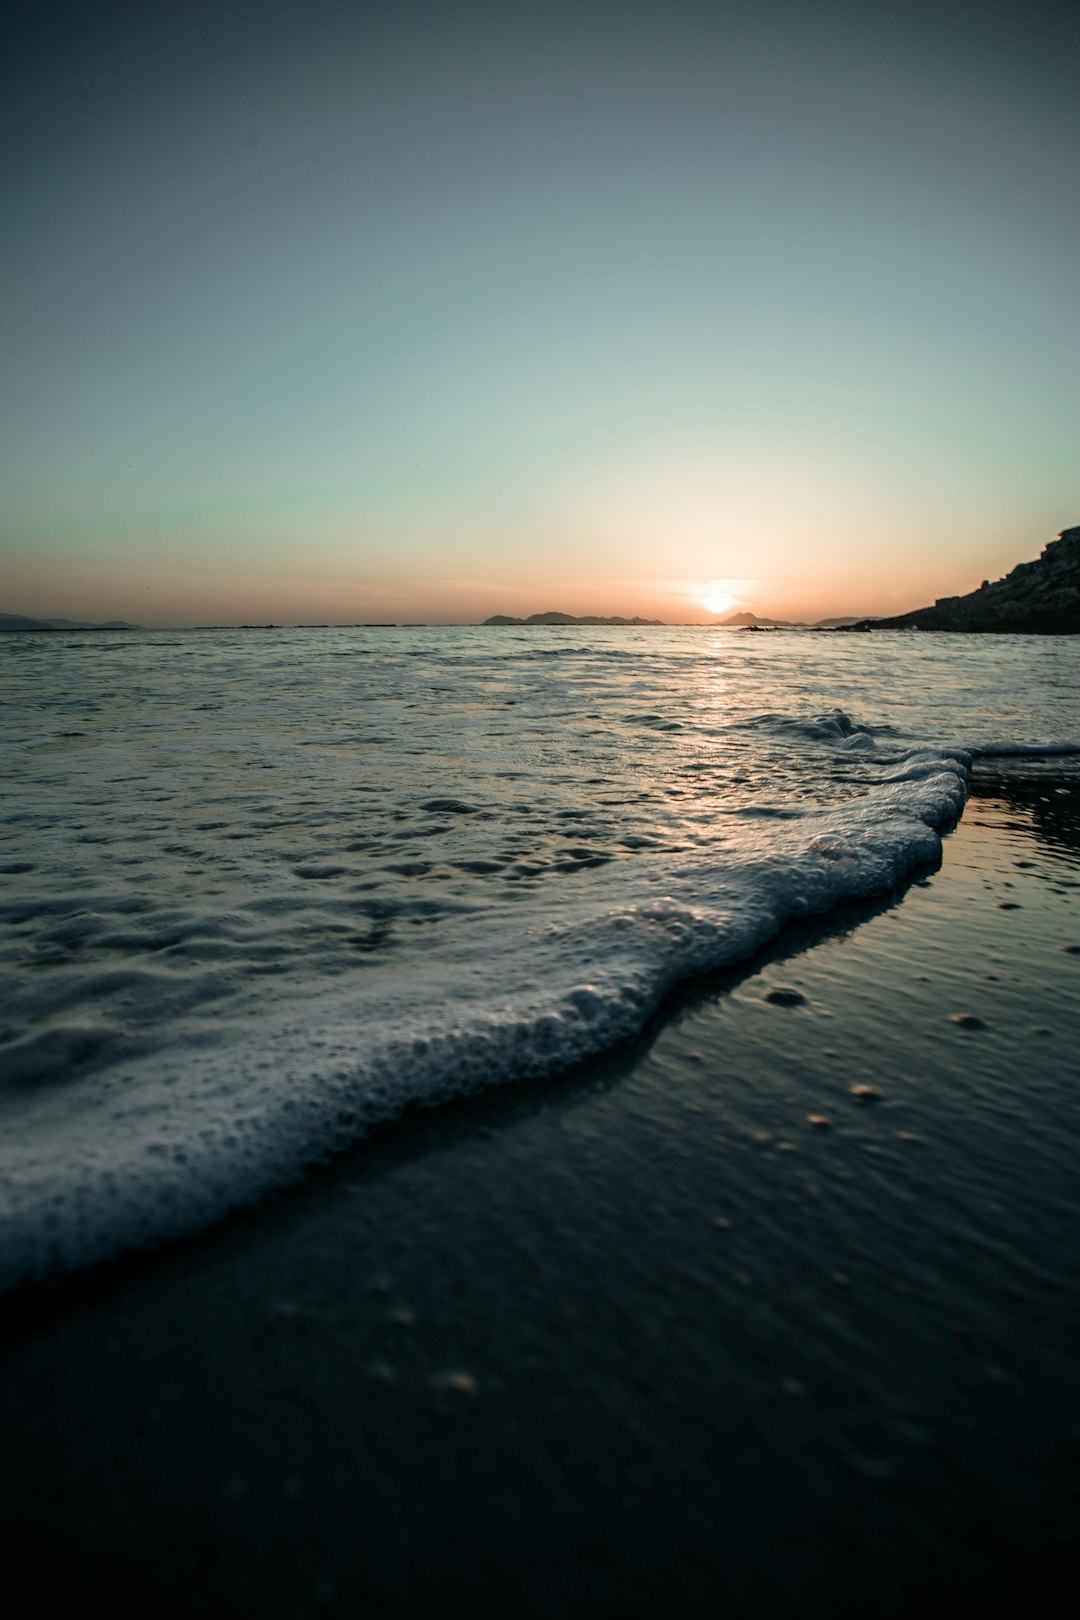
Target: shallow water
<point x="698" y="1328"/>
<point x="262" y="889"/>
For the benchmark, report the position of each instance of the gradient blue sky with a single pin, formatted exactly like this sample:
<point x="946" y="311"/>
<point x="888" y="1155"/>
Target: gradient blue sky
<point x="426" y="312"/>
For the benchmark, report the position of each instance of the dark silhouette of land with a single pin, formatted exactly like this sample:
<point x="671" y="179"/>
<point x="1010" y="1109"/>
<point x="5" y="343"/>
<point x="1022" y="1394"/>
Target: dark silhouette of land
<point x="734" y="621"/>
<point x="566" y="618"/>
<point x="20" y="621"/>
<point x="1035" y="598"/>
<point x="752" y="621"/>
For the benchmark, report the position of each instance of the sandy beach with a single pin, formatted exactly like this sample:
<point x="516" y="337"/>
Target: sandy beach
<point x="773" y="1313"/>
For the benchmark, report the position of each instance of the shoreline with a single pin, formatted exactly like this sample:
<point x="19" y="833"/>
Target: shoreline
<point x="690" y="1325"/>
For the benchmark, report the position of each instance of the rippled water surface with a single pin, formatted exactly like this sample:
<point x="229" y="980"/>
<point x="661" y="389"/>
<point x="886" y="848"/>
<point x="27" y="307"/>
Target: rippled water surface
<point x="205" y="832"/>
<point x="296" y="800"/>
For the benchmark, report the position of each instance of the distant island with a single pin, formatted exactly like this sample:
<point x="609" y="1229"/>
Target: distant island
<point x="734" y="621"/>
<point x="565" y="618"/>
<point x="1035" y="598"/>
<point x="751" y="621"/>
<point x="20" y="621"/>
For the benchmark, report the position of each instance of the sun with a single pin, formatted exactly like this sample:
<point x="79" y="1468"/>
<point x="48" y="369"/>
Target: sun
<point x="715" y="604"/>
<point x="715" y="596"/>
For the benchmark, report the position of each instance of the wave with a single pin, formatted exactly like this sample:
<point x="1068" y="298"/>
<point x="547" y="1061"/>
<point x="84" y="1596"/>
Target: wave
<point x="162" y="1143"/>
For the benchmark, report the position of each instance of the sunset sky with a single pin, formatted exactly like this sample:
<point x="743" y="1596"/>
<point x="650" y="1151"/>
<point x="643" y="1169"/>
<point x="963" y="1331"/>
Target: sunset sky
<point x="426" y="312"/>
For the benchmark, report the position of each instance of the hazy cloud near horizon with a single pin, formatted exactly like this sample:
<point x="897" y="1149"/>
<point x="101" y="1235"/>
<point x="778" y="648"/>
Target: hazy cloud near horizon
<point x="336" y="312"/>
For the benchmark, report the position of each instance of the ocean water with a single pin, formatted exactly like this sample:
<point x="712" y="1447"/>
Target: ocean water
<point x="262" y="890"/>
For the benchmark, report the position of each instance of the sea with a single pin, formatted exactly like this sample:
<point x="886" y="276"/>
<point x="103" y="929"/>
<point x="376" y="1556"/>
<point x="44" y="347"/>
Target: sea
<point x="261" y="890"/>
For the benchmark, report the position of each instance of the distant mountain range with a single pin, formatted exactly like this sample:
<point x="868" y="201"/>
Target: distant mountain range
<point x="735" y="621"/>
<point x="750" y="621"/>
<point x="565" y="618"/>
<point x="1040" y="597"/>
<point x="19" y="621"/>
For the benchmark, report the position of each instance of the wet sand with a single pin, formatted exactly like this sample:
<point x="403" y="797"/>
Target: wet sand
<point x="703" y="1328"/>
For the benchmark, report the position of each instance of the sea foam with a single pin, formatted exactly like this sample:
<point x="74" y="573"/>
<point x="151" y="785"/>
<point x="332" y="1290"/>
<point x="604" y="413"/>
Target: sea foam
<point x="167" y="1142"/>
<point x="259" y="894"/>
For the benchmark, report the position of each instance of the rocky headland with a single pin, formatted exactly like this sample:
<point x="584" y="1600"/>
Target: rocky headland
<point x="1036" y="598"/>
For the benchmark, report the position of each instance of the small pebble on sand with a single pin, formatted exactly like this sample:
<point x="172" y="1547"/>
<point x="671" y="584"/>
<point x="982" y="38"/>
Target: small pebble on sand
<point x="865" y="1094"/>
<point x="967" y="1021"/>
<point x="1009" y="905"/>
<point x="784" y="997"/>
<point x="818" y="1121"/>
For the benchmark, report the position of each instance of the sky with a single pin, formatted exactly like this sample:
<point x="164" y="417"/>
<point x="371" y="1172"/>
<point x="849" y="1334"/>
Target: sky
<point x="334" y="312"/>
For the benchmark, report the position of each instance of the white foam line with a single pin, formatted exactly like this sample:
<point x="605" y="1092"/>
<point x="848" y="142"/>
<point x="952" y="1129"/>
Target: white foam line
<point x="159" y="1147"/>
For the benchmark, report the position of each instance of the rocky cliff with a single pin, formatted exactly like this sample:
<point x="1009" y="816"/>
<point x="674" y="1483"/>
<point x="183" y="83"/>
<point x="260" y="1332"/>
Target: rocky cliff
<point x="1040" y="597"/>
